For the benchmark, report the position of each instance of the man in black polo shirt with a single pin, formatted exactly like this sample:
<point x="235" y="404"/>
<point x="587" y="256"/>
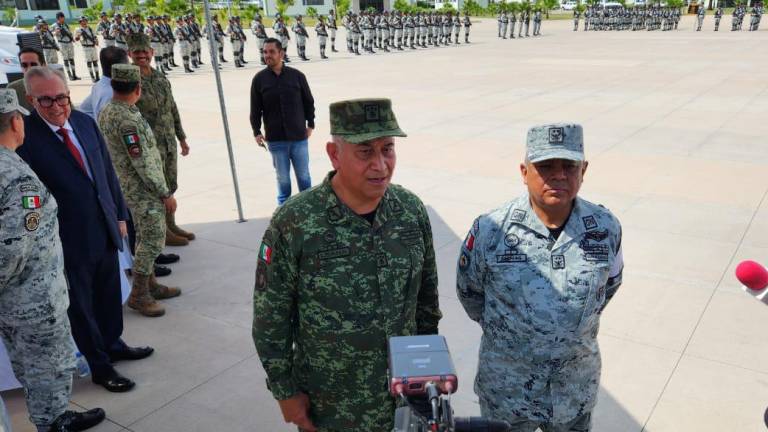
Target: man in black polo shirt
<point x="281" y="95"/>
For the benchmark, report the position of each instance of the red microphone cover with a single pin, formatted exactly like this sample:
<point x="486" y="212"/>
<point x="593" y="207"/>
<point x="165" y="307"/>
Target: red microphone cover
<point x="753" y="275"/>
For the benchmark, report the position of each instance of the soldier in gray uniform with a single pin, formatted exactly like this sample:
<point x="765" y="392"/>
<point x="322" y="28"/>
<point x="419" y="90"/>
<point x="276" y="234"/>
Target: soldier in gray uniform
<point x="576" y="17"/>
<point x="119" y="31"/>
<point x="536" y="273"/>
<point x="235" y="41"/>
<point x="718" y="17"/>
<point x="88" y="41"/>
<point x="243" y="38"/>
<point x="322" y="35"/>
<point x="537" y="23"/>
<point x="66" y="44"/>
<point x="50" y="48"/>
<point x="503" y="24"/>
<point x="33" y="290"/>
<point x="281" y="30"/>
<point x="300" y="30"/>
<point x="260" y="32"/>
<point x="468" y="24"/>
<point x="103" y="30"/>
<point x="333" y="26"/>
<point x="700" y="16"/>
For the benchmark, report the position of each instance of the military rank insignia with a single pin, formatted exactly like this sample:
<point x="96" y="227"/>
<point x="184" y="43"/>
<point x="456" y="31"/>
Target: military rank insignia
<point x="265" y="253"/>
<point x="30" y="202"/>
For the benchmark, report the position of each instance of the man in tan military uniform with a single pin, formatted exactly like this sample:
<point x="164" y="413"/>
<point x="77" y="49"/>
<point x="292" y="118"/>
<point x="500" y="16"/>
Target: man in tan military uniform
<point x="158" y="107"/>
<point x="343" y="267"/>
<point x="139" y="167"/>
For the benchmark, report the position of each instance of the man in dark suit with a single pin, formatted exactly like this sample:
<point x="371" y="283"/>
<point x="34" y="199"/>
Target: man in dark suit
<point x="68" y="153"/>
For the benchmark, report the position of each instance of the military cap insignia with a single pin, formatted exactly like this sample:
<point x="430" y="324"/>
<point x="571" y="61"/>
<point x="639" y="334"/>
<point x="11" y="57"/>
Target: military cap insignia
<point x="556" y="135"/>
<point x="372" y="113"/>
<point x="30" y="202"/>
<point x="589" y="222"/>
<point x="32" y="221"/>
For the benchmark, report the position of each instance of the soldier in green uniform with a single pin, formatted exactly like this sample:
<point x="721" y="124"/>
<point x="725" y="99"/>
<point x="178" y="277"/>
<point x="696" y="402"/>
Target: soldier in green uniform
<point x="158" y="107"/>
<point x="140" y="169"/>
<point x="343" y="267"/>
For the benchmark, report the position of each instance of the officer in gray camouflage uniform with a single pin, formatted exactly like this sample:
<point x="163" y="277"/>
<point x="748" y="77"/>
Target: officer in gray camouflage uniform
<point x="66" y="43"/>
<point x="536" y="273"/>
<point x="139" y="167"/>
<point x="33" y="290"/>
<point x="343" y="267"/>
<point x="50" y="48"/>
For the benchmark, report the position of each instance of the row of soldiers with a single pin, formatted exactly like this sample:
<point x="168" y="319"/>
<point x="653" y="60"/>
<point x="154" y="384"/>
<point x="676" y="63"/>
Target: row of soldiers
<point x="508" y="21"/>
<point x="399" y="30"/>
<point x="598" y="18"/>
<point x="737" y="17"/>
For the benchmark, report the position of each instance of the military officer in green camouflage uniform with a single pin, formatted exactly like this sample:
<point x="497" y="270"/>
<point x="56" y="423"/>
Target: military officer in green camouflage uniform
<point x="158" y="107"/>
<point x="33" y="290"/>
<point x="139" y="167"/>
<point x="343" y="267"/>
<point x="536" y="273"/>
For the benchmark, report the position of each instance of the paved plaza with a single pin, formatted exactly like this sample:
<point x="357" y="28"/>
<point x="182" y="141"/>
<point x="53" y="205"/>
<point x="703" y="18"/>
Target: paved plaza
<point x="676" y="130"/>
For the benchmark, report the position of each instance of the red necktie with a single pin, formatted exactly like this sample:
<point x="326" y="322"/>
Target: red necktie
<point x="72" y="149"/>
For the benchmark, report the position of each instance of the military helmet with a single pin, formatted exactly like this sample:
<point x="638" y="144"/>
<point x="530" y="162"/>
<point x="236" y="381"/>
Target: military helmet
<point x="103" y="14"/>
<point x="83" y="18"/>
<point x="59" y="14"/>
<point x="42" y="22"/>
<point x="117" y="15"/>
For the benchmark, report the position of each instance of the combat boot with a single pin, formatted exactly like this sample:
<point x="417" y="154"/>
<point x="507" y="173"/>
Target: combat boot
<point x="160" y="291"/>
<point x="187" y="69"/>
<point x="222" y="59"/>
<point x="140" y="300"/>
<point x="172" y="239"/>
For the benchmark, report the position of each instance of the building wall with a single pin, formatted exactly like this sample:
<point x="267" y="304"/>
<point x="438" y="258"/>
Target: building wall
<point x="299" y="7"/>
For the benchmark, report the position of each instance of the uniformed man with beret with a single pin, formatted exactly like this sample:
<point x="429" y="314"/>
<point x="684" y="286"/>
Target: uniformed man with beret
<point x="536" y="273"/>
<point x="343" y="267"/>
<point x="158" y="107"/>
<point x="139" y="167"/>
<point x="33" y="290"/>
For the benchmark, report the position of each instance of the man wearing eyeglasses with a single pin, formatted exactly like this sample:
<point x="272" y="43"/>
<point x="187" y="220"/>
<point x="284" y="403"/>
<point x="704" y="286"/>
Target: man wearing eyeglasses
<point x="28" y="58"/>
<point x="67" y="152"/>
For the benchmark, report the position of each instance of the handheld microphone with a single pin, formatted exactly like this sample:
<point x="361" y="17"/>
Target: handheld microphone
<point x="754" y="278"/>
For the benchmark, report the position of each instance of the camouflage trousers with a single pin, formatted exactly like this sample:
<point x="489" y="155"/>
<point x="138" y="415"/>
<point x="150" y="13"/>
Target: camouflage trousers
<point x="149" y="222"/>
<point x="67" y="50"/>
<point x="51" y="56"/>
<point x="90" y="54"/>
<point x="583" y="423"/>
<point x="168" y="149"/>
<point x="43" y="360"/>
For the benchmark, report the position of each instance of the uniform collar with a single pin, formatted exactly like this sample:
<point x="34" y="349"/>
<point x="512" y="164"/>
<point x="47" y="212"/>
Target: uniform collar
<point x="338" y="213"/>
<point x="580" y="221"/>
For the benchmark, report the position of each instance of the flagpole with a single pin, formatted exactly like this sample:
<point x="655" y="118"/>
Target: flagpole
<point x="223" y="107"/>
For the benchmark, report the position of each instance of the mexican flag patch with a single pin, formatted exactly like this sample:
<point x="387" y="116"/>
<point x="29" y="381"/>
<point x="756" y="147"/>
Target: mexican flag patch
<point x="131" y="139"/>
<point x="31" y="201"/>
<point x="470" y="242"/>
<point x="265" y="253"/>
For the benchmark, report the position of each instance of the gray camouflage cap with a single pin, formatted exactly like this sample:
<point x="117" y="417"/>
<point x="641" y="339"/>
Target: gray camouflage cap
<point x="555" y="141"/>
<point x="361" y="120"/>
<point x="9" y="102"/>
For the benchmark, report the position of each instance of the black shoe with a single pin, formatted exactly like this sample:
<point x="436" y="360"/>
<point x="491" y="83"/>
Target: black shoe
<point x="166" y="259"/>
<point x="223" y="60"/>
<point x="162" y="271"/>
<point x="115" y="383"/>
<point x="72" y="421"/>
<point x="131" y="353"/>
<point x="243" y="62"/>
<point x="75" y="78"/>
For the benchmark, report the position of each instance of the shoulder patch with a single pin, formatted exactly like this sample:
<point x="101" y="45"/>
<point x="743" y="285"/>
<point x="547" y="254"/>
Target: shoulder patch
<point x="30" y="202"/>
<point x="32" y="221"/>
<point x="265" y="253"/>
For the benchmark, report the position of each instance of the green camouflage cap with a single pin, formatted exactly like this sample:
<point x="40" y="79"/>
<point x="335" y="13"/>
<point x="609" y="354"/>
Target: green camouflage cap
<point x="9" y="102"/>
<point x="555" y="141"/>
<point x="361" y="120"/>
<point x="138" y="42"/>
<point x="126" y="73"/>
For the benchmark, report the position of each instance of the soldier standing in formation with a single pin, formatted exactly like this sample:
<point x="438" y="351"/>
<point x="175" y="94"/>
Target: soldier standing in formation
<point x="194" y="41"/>
<point x="700" y="16"/>
<point x="576" y="17"/>
<point x="158" y="107"/>
<point x="184" y="44"/>
<point x="468" y="24"/>
<point x="235" y="40"/>
<point x="333" y="27"/>
<point x="33" y="289"/>
<point x="281" y="30"/>
<point x="503" y="24"/>
<point x="321" y="335"/>
<point x="66" y="41"/>
<point x="157" y="42"/>
<point x="322" y="35"/>
<point x="536" y="274"/>
<point x="119" y="31"/>
<point x="456" y="28"/>
<point x="195" y="28"/>
<point x="139" y="167"/>
<point x="243" y="37"/>
<point x="218" y="37"/>
<point x="260" y="32"/>
<point x="537" y="23"/>
<point x="300" y="30"/>
<point x="89" y="42"/>
<point x="512" y="23"/>
<point x="103" y="30"/>
<point x="718" y="17"/>
<point x="50" y="47"/>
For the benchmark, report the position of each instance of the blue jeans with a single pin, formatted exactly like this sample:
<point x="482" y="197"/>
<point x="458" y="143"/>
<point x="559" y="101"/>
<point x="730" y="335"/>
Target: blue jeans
<point x="285" y="153"/>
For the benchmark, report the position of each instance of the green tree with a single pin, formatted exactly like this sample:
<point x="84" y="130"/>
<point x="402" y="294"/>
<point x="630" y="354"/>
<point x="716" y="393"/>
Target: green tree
<point x="447" y="7"/>
<point x="9" y="14"/>
<point x="342" y="6"/>
<point x="472" y="7"/>
<point x="282" y="6"/>
<point x="311" y="12"/>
